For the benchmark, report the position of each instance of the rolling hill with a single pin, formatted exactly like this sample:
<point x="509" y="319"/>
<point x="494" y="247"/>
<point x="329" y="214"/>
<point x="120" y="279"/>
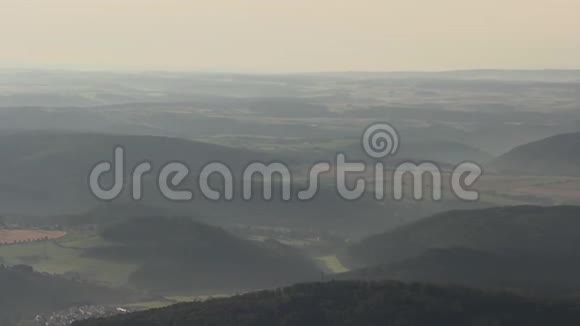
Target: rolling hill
<point x="557" y="155"/>
<point x="517" y="230"/>
<point x="47" y="172"/>
<point x="527" y="274"/>
<point x="529" y="248"/>
<point x="181" y="256"/>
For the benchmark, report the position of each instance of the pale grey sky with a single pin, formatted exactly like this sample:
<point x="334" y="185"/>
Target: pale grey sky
<point x="291" y="35"/>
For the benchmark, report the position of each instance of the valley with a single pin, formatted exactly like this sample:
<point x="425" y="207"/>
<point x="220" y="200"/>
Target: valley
<point x="513" y="247"/>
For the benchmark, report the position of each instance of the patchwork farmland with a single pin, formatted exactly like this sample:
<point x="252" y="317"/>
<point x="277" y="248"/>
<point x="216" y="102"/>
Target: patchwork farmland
<point x="19" y="236"/>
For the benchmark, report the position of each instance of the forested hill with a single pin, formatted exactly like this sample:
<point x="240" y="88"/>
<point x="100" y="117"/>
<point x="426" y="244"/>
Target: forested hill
<point x="521" y="230"/>
<point x="557" y="155"/>
<point x="528" y="248"/>
<point x="179" y="255"/>
<point x="357" y="304"/>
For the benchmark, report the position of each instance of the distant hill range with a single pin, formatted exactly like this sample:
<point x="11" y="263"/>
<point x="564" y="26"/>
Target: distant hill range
<point x="527" y="248"/>
<point x="44" y="172"/>
<point x="557" y="155"/>
<point x="446" y="153"/>
<point x="357" y="304"/>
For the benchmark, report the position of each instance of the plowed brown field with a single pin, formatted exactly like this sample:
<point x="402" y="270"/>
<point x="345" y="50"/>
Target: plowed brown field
<point x="17" y="236"/>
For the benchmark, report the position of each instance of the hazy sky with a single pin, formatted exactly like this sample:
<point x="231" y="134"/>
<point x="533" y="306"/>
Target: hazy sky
<point x="291" y="35"/>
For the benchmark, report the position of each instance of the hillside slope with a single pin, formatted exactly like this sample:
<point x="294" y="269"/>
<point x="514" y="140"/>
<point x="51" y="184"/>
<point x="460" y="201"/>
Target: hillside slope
<point x="44" y="172"/>
<point x="181" y="256"/>
<point x="357" y="304"/>
<point x="526" y="274"/>
<point x="25" y="293"/>
<point x="557" y="155"/>
<point x="531" y="249"/>
<point x="516" y="230"/>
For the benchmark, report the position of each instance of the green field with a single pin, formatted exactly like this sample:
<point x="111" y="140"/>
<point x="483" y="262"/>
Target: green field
<point x="332" y="264"/>
<point x="66" y="256"/>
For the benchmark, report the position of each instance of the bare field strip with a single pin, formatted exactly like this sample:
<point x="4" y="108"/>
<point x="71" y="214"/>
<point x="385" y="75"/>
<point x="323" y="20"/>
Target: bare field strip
<point x="19" y="236"/>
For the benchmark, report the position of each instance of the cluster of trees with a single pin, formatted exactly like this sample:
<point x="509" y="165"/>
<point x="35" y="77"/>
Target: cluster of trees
<point x="358" y="304"/>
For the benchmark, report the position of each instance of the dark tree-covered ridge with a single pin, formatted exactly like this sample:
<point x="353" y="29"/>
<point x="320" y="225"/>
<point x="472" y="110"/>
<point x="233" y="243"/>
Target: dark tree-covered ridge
<point x="358" y="304"/>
